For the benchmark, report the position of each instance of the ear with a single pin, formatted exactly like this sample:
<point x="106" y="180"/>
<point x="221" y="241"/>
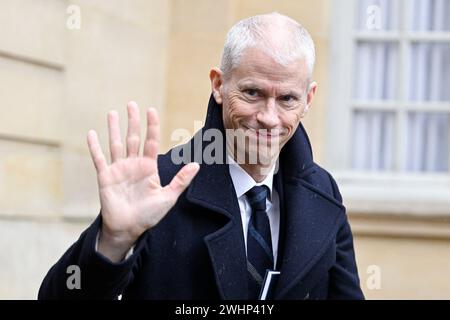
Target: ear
<point x="216" y="77"/>
<point x="310" y="96"/>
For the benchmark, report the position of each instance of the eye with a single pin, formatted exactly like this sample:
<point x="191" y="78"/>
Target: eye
<point x="287" y="98"/>
<point x="251" y="92"/>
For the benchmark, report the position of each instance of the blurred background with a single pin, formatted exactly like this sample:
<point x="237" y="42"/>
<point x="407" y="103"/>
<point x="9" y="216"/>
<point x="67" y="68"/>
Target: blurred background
<point x="380" y="121"/>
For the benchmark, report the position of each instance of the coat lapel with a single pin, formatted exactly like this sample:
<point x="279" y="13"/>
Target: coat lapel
<point x="226" y="246"/>
<point x="311" y="220"/>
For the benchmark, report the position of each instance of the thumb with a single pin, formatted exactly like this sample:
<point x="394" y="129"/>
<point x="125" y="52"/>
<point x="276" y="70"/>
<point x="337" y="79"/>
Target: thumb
<point x="181" y="180"/>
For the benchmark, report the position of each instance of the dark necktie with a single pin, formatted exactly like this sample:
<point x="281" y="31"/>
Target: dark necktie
<point x="259" y="241"/>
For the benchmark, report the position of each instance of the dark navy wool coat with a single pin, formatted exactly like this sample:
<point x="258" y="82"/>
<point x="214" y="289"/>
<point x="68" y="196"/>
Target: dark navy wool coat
<point x="197" y="251"/>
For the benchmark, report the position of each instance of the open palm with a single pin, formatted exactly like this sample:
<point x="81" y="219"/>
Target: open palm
<point x="131" y="196"/>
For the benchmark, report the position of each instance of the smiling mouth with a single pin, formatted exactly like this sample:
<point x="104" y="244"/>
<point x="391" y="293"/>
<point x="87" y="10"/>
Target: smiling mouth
<point x="264" y="133"/>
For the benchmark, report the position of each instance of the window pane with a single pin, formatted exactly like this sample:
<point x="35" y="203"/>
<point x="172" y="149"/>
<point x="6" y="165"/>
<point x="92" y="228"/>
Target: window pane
<point x="376" y="71"/>
<point x="429" y="69"/>
<point x="430" y="15"/>
<point x="373" y="15"/>
<point x="428" y="140"/>
<point x="373" y="140"/>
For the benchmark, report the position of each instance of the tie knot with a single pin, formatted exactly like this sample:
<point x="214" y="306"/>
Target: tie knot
<point x="257" y="197"/>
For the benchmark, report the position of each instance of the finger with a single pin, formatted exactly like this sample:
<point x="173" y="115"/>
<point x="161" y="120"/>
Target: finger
<point x="96" y="151"/>
<point x="152" y="139"/>
<point x="115" y="141"/>
<point x="181" y="181"/>
<point x="134" y="131"/>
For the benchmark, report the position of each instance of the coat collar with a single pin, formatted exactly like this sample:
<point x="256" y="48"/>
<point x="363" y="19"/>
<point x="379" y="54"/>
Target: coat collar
<point x="310" y="223"/>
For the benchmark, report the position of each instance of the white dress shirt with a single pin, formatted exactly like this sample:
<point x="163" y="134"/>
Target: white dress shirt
<point x="243" y="182"/>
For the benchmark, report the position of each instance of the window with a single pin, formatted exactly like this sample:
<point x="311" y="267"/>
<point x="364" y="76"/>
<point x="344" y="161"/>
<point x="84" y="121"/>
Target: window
<point x="389" y="124"/>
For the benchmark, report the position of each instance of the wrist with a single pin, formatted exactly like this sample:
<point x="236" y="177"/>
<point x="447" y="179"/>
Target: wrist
<point x="114" y="246"/>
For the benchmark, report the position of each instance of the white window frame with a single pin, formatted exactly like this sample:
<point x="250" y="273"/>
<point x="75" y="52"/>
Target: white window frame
<point x="398" y="192"/>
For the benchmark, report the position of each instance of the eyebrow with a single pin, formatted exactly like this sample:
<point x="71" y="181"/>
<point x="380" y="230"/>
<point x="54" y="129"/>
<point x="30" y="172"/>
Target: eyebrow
<point x="292" y="93"/>
<point x="249" y="85"/>
<point x="252" y="85"/>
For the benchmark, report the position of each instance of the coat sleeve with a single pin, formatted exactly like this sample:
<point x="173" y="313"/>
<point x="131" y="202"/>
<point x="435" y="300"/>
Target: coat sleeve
<point x="99" y="278"/>
<point x="344" y="280"/>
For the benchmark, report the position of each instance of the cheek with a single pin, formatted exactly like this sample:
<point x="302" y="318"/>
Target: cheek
<point x="291" y="122"/>
<point x="235" y="110"/>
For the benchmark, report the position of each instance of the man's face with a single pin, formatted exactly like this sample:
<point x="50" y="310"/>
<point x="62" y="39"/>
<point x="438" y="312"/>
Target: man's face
<point x="264" y="99"/>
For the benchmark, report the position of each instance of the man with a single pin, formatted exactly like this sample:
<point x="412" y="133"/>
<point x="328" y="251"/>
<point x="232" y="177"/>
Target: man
<point x="212" y="231"/>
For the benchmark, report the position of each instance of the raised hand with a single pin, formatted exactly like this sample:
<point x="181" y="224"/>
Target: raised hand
<point x="131" y="196"/>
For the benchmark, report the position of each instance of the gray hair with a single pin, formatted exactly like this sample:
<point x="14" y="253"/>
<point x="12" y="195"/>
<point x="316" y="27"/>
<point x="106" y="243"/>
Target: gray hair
<point x="256" y="32"/>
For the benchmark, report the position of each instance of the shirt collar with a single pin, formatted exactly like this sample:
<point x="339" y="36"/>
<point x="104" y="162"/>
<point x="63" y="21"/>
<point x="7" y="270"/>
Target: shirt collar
<point x="243" y="182"/>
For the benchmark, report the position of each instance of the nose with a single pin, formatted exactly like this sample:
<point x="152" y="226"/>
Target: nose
<point x="268" y="115"/>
